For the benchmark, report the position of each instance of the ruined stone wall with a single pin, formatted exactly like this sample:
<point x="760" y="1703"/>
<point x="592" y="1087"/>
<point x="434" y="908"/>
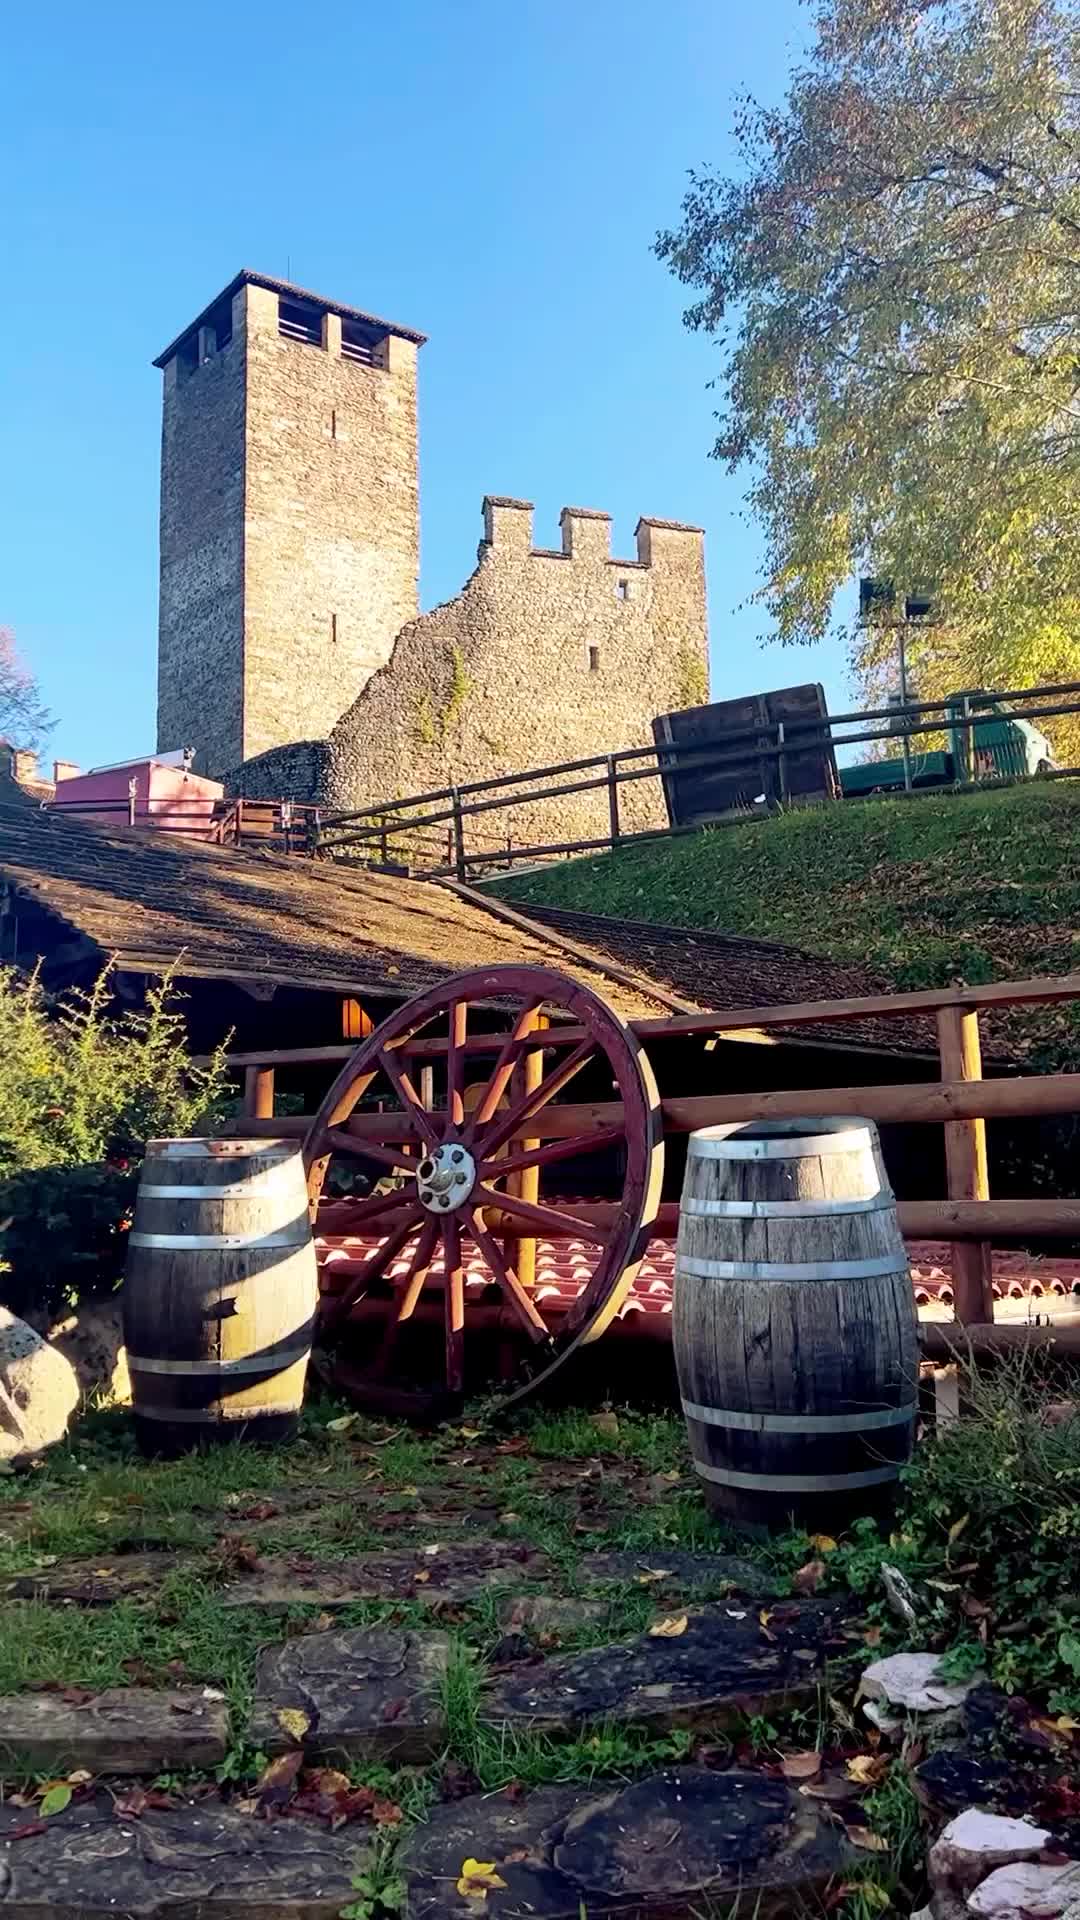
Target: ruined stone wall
<point x="332" y="532"/>
<point x="200" y="691"/>
<point x="546" y="655"/>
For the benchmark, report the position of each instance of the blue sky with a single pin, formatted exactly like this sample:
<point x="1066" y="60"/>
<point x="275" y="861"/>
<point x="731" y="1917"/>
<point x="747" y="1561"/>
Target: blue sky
<point x="491" y="174"/>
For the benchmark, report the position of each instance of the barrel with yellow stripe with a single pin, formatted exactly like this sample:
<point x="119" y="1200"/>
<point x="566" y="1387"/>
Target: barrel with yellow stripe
<point x="220" y="1292"/>
<point x="794" y="1322"/>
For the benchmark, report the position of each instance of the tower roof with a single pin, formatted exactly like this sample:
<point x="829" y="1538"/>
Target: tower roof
<point x="248" y="277"/>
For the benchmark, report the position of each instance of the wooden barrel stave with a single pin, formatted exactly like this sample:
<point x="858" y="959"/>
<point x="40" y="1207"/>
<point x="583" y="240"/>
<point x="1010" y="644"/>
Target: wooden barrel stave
<point x="794" y="1328"/>
<point x="219" y="1306"/>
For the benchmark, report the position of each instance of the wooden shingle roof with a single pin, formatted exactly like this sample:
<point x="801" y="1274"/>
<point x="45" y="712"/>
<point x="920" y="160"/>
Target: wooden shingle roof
<point x="151" y="897"/>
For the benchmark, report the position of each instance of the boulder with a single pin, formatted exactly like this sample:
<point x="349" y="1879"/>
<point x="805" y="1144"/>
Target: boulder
<point x="910" y="1681"/>
<point x="92" y="1338"/>
<point x="39" y="1390"/>
<point x="1027" y="1891"/>
<point x="973" y="1844"/>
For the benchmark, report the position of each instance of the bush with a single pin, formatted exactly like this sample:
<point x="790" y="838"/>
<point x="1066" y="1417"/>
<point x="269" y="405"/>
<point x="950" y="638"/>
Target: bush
<point x="82" y="1088"/>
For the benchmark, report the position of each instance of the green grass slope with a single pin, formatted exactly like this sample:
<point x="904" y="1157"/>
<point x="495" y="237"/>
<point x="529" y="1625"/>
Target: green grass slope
<point x="925" y="891"/>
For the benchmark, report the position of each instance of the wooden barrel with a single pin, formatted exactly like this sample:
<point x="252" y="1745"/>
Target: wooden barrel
<point x="794" y="1322"/>
<point x="220" y="1292"/>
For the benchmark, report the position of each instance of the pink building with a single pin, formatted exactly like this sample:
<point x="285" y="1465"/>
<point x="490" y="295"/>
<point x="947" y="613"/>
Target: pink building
<point x="155" y="791"/>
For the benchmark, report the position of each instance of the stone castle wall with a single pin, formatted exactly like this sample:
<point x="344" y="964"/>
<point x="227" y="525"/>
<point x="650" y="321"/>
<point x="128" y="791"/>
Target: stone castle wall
<point x="289" y="531"/>
<point x="546" y="655"/>
<point x="332" y="527"/>
<point x="200" y="693"/>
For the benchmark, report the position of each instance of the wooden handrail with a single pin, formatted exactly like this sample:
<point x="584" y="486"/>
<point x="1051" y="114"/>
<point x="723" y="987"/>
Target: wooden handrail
<point x="1004" y="993"/>
<point x="927" y="1103"/>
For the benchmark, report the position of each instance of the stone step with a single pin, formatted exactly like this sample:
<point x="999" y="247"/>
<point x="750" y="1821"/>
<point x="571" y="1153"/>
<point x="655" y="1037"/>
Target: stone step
<point x="674" y="1844"/>
<point x="122" y="1730"/>
<point x="373" y="1692"/>
<point x="724" y="1662"/>
<point x="196" y="1858"/>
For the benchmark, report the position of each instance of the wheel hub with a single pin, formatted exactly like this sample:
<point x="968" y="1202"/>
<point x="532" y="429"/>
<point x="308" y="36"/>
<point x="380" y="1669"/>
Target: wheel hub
<point x="446" y="1178"/>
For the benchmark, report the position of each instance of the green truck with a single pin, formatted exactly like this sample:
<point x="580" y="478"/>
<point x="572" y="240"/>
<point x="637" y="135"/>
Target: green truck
<point x="998" y="745"/>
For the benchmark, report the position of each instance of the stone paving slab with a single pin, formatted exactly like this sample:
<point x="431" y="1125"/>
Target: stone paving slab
<point x="437" y="1572"/>
<point x="96" y="1582"/>
<point x="122" y="1730"/>
<point x="723" y="1663"/>
<point x="681" y="1572"/>
<point x="367" y="1693"/>
<point x="671" y="1845"/>
<point x="192" y="1860"/>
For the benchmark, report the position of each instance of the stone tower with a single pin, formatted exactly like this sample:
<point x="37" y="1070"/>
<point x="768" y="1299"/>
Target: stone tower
<point x="289" y="517"/>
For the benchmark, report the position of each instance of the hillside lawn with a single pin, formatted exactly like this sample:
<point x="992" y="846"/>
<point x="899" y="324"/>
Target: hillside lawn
<point x="924" y="890"/>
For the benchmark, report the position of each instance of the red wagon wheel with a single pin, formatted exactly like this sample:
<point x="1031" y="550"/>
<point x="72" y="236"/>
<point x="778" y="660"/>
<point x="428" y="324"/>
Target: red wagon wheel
<point x="499" y="1047"/>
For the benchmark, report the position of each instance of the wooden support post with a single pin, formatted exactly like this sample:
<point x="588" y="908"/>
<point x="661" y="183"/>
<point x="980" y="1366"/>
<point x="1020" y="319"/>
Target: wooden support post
<point x="614" y="828"/>
<point x="526" y="1184"/>
<point x="258" y="1093"/>
<point x="459" y="835"/>
<point x="965" y="1161"/>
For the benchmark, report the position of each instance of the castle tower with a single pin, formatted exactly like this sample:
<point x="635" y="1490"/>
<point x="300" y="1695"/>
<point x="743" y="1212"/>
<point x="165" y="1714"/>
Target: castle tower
<point x="289" y="517"/>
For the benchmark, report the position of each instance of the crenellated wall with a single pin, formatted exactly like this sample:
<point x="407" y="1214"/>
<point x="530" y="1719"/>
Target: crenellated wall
<point x="546" y="655"/>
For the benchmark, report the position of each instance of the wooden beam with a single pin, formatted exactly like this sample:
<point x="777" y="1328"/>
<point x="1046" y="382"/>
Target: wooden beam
<point x="941" y="1340"/>
<point x="965" y="1161"/>
<point x="909" y="1104"/>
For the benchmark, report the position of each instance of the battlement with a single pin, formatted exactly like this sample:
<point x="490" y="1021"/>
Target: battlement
<point x="585" y="533"/>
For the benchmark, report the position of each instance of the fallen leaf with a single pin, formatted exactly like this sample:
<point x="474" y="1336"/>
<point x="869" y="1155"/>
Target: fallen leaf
<point x="212" y="1693"/>
<point x="80" y="1778"/>
<point x="276" y="1783"/>
<point x="824" y="1542"/>
<point x="411" y="1491"/>
<point x="103" y="1573"/>
<point x="56" y="1797"/>
<point x="24" y="1832"/>
<point x="872" y="1637"/>
<point x="386" y="1813"/>
<point x="393" y="1709"/>
<point x="294" y="1721"/>
<point x="867" y="1769"/>
<point x="764" y="1617"/>
<point x="809" y="1578"/>
<point x="132" y="1804"/>
<point x="957" y="1527"/>
<point x="477" y="1879"/>
<point x="800" y="1766"/>
<point x="321" y="1623"/>
<point x="327" y="1780"/>
<point x="343" y="1423"/>
<point x="606" y="1422"/>
<point x="422" y="1577"/>
<point x="650" y="1575"/>
<point x="470" y="1433"/>
<point x="866" y="1840"/>
<point x="669" y="1629"/>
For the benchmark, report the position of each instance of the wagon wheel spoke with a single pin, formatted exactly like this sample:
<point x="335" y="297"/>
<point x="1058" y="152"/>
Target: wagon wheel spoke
<point x="373" y="1268"/>
<point x="411" y="1288"/>
<point x="409" y="1098"/>
<point x="551" y="1151"/>
<point x="392" y="1157"/>
<point x="548" y="1220"/>
<point x="455" y="1062"/>
<point x="513" y="1121"/>
<point x="525" y="1308"/>
<point x="363" y="1213"/>
<point x="454" y="1305"/>
<point x="501" y="1072"/>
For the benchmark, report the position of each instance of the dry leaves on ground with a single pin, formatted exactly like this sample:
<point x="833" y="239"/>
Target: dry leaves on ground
<point x="669" y="1629"/>
<point x="477" y="1878"/>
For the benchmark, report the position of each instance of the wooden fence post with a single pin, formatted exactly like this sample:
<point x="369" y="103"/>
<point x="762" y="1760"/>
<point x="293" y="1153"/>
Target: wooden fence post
<point x="258" y="1093"/>
<point x="459" y="835"/>
<point x="614" y="828"/>
<point x="965" y="1162"/>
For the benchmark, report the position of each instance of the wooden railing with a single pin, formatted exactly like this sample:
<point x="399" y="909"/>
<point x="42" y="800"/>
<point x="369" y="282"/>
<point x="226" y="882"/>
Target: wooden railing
<point x="960" y="1100"/>
<point x="378" y="831"/>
